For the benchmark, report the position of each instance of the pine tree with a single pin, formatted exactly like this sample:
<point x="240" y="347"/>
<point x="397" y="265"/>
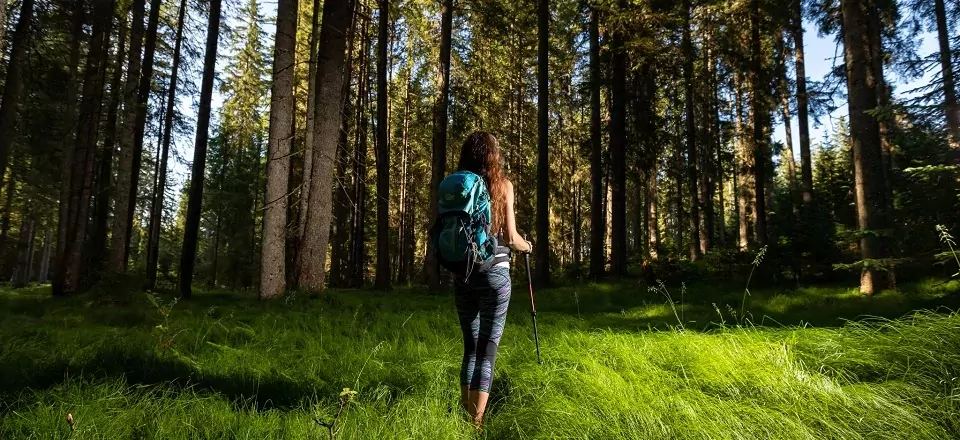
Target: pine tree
<point x="618" y="140"/>
<point x="11" y="85"/>
<point x="120" y="230"/>
<point x="543" y="143"/>
<point x="806" y="173"/>
<point x="690" y="133"/>
<point x="383" y="153"/>
<point x="865" y="138"/>
<point x="69" y="262"/>
<point x="195" y="199"/>
<point x="273" y="260"/>
<point x="156" y="204"/>
<point x="330" y="60"/>
<point x="597" y="217"/>
<point x="951" y="106"/>
<point x="440" y="121"/>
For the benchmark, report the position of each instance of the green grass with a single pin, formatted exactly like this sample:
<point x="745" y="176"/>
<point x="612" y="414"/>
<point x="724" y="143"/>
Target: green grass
<point x="618" y="363"/>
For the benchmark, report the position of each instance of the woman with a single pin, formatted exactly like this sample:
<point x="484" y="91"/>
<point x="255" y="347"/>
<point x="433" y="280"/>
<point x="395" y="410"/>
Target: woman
<point x="483" y="299"/>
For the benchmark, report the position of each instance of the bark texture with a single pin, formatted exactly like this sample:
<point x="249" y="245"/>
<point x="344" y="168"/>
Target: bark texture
<point x="865" y="140"/>
<point x="273" y="278"/>
<point x="69" y="261"/>
<point x="330" y="60"/>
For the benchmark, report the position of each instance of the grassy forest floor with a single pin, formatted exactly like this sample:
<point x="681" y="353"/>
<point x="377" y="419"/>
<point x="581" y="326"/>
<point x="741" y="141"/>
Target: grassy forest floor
<point x="619" y="362"/>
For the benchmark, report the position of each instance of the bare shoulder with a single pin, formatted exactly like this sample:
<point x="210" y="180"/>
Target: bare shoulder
<point x="508" y="185"/>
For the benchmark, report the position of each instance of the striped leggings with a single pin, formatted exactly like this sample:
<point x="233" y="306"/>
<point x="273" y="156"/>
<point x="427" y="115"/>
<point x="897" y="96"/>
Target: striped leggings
<point x="482" y="308"/>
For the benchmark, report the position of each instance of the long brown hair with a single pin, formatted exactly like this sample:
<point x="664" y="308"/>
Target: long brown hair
<point x="480" y="154"/>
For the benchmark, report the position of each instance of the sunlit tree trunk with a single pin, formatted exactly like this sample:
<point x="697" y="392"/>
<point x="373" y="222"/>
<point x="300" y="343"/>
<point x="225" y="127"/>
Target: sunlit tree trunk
<point x="69" y="262"/>
<point x="273" y="263"/>
<point x="865" y="139"/>
<point x="744" y="170"/>
<point x="597" y="217"/>
<point x="786" y="158"/>
<point x="11" y="86"/>
<point x="330" y="62"/>
<point x="650" y="213"/>
<point x="309" y="131"/>
<point x="440" y="121"/>
<point x="188" y="255"/>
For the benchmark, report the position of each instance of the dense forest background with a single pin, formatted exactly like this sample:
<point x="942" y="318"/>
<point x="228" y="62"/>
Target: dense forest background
<point x="639" y="135"/>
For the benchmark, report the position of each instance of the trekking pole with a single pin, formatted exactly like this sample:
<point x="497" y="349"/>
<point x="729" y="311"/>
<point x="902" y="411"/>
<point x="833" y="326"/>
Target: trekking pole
<point x="533" y="309"/>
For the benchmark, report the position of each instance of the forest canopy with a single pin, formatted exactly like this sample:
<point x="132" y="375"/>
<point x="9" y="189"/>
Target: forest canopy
<point x="237" y="145"/>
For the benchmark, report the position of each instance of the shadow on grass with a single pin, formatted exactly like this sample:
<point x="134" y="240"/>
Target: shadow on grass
<point x="630" y="307"/>
<point x="246" y="390"/>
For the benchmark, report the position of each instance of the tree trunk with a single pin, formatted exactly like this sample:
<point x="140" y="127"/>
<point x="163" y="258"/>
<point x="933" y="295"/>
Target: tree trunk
<point x="11" y="86"/>
<point x="45" y="258"/>
<point x="24" y="248"/>
<point x="650" y="214"/>
<point x="69" y="128"/>
<point x="718" y="143"/>
<point x="618" y="141"/>
<point x="156" y="205"/>
<point x="403" y="270"/>
<point x="191" y="228"/>
<point x="342" y="225"/>
<point x="542" y="272"/>
<point x="69" y="263"/>
<point x="8" y="194"/>
<point x="806" y="169"/>
<point x="865" y="139"/>
<point x="311" y="122"/>
<point x="440" y="120"/>
<point x="877" y="55"/>
<point x="678" y="179"/>
<point x="104" y="187"/>
<point x="330" y="61"/>
<point x="946" y="69"/>
<point x="691" y="136"/>
<point x="3" y="27"/>
<point x="786" y="157"/>
<point x="358" y="238"/>
<point x="120" y="231"/>
<point x="273" y="277"/>
<point x="597" y="220"/>
<point x="383" y="155"/>
<point x="744" y="167"/>
<point x="759" y="112"/>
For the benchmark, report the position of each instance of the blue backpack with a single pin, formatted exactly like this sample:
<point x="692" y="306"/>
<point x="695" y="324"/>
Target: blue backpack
<point x="461" y="236"/>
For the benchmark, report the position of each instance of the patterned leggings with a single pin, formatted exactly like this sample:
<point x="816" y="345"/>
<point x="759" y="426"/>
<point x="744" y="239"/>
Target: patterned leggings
<point x="482" y="308"/>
